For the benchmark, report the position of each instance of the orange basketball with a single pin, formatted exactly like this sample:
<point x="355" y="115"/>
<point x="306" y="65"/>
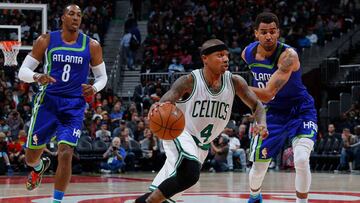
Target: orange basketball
<point x="167" y="121"/>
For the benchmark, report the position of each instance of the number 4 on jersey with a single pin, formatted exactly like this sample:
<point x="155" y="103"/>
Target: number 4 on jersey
<point x="206" y="132"/>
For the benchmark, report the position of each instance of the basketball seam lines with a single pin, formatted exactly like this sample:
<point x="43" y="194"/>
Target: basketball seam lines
<point x="167" y="122"/>
<point x="174" y="124"/>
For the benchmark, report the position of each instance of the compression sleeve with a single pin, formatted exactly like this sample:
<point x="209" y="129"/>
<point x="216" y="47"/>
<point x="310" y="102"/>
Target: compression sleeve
<point x="27" y="68"/>
<point x="100" y="76"/>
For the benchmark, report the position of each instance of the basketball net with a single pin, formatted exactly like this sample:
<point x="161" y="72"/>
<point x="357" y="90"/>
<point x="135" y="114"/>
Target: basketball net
<point x="10" y="50"/>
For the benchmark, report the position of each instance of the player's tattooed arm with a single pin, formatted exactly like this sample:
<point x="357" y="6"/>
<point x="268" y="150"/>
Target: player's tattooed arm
<point x="288" y="63"/>
<point x="182" y="85"/>
<point x="243" y="91"/>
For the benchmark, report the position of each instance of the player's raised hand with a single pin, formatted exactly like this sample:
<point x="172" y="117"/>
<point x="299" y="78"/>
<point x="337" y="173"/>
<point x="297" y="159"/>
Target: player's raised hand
<point x="43" y="79"/>
<point x="261" y="130"/>
<point x="87" y="90"/>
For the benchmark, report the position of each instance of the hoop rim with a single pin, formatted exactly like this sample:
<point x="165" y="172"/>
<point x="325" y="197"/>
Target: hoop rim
<point x="9" y="45"/>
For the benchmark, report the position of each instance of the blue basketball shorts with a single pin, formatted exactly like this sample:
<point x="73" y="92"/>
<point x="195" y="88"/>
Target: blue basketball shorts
<point x="55" y="117"/>
<point x="299" y="121"/>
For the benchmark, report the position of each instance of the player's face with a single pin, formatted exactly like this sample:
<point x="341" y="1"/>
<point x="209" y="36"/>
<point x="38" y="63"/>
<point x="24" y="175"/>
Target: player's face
<point x="72" y="18"/>
<point x="218" y="61"/>
<point x="267" y="34"/>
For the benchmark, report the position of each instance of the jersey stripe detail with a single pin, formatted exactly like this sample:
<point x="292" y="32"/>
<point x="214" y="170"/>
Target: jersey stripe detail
<point x="271" y="66"/>
<point x="38" y="101"/>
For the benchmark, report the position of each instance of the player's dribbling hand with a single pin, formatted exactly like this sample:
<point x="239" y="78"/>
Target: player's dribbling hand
<point x="87" y="90"/>
<point x="155" y="106"/>
<point x="261" y="130"/>
<point x="43" y="79"/>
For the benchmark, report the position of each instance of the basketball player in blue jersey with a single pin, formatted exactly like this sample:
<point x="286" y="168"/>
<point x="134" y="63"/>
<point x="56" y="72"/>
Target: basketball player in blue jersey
<point x="59" y="106"/>
<point x="290" y="108"/>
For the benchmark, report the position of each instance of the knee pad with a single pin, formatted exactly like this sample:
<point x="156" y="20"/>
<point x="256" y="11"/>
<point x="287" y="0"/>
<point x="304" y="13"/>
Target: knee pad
<point x="302" y="149"/>
<point x="257" y="174"/>
<point x="188" y="173"/>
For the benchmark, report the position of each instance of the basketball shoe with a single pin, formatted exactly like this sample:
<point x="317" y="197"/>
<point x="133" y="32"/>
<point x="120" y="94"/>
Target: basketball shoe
<point x="34" y="178"/>
<point x="257" y="199"/>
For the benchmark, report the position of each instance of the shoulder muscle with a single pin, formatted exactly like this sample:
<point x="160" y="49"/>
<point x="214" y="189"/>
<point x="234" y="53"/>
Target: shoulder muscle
<point x="96" y="52"/>
<point x="40" y="46"/>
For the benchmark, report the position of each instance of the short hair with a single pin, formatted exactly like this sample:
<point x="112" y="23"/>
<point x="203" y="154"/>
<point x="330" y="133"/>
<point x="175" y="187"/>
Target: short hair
<point x="211" y="46"/>
<point x="266" y="17"/>
<point x="67" y="6"/>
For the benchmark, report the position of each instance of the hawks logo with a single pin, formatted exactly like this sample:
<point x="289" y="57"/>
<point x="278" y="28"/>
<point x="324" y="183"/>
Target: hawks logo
<point x="264" y="153"/>
<point x="35" y="139"/>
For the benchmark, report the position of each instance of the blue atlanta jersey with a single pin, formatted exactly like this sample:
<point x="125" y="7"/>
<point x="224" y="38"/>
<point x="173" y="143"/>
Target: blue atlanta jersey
<point x="292" y="93"/>
<point x="69" y="64"/>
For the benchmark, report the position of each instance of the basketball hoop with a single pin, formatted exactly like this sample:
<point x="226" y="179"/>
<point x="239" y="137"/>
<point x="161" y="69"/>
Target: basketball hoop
<point x="10" y="50"/>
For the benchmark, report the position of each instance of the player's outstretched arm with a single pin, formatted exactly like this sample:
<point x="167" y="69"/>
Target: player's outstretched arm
<point x="98" y="68"/>
<point x="288" y="63"/>
<point x="32" y="60"/>
<point x="249" y="98"/>
<point x="182" y="85"/>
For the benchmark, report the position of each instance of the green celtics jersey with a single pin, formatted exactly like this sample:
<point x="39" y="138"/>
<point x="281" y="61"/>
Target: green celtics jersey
<point x="206" y="112"/>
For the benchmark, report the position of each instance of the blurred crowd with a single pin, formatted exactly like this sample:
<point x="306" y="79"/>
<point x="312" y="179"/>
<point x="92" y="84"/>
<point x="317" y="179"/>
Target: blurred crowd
<point x="95" y="21"/>
<point x="176" y="28"/>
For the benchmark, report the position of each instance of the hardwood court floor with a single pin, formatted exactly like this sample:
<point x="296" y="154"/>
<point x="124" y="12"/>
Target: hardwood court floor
<point x="212" y="188"/>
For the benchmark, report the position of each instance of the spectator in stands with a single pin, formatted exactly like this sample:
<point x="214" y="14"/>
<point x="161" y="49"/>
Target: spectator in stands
<point x="125" y="141"/>
<point x="141" y="93"/>
<point x="15" y="123"/>
<point x="98" y="111"/>
<point x="220" y="151"/>
<point x="115" y="156"/>
<point x="186" y="60"/>
<point x="16" y="153"/>
<point x="105" y="105"/>
<point x="151" y="150"/>
<point x="244" y="137"/>
<point x="104" y="134"/>
<point x="312" y="37"/>
<point x="126" y="51"/>
<point x="106" y="118"/>
<point x="156" y="96"/>
<point x="132" y="124"/>
<point x="117" y="131"/>
<point x="96" y="123"/>
<point x="4" y="127"/>
<point x="139" y="133"/>
<point x="175" y="66"/>
<point x="347" y="153"/>
<point x="116" y="114"/>
<point x="353" y="114"/>
<point x="97" y="100"/>
<point x="4" y="154"/>
<point x="331" y="135"/>
<point x="235" y="152"/>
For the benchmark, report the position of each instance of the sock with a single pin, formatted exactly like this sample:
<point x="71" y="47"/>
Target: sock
<point x="58" y="196"/>
<point x="256" y="176"/>
<point x="39" y="166"/>
<point x="254" y="195"/>
<point x="301" y="200"/>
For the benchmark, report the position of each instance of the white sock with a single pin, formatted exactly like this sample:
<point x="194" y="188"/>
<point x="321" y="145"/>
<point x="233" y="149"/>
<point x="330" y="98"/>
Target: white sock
<point x="301" y="200"/>
<point x="256" y="176"/>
